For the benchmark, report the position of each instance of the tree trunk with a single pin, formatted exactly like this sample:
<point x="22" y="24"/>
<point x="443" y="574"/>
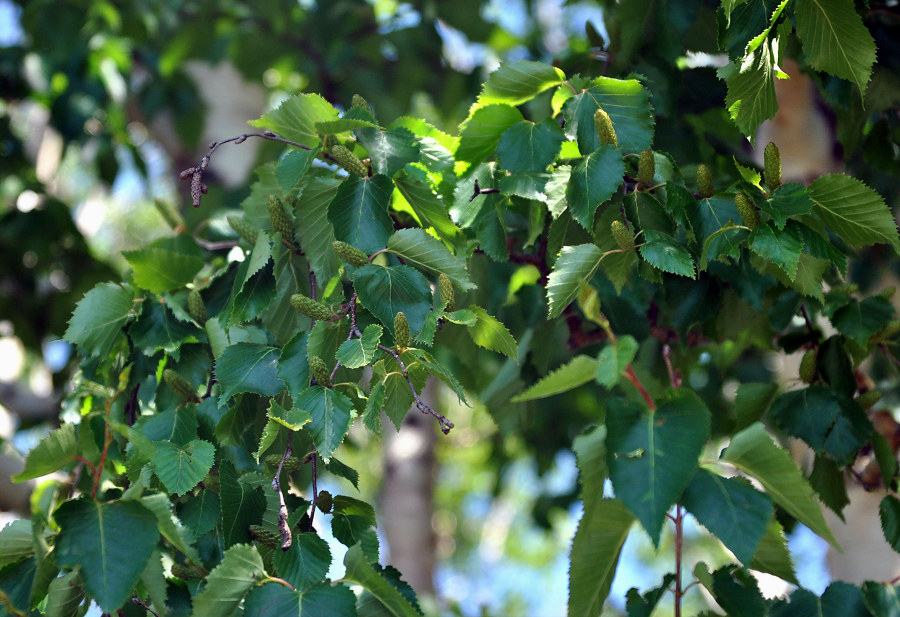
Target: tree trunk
<point x="407" y="496"/>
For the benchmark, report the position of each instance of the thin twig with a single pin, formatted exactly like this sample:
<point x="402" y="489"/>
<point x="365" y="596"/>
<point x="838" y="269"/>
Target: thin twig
<point x="809" y="325"/>
<point x="630" y="375"/>
<point x="283" y="527"/>
<point x="131" y="406"/>
<point x="312" y="458"/>
<point x="888" y="353"/>
<point x="198" y="189"/>
<point x="674" y="374"/>
<point x="144" y="606"/>
<point x="679" y="546"/>
<point x="421" y="405"/>
<point x="481" y="191"/>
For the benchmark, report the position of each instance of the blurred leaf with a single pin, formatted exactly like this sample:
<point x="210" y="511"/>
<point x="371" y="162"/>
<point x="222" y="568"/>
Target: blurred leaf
<point x="577" y="372"/>
<point x="55" y="450"/>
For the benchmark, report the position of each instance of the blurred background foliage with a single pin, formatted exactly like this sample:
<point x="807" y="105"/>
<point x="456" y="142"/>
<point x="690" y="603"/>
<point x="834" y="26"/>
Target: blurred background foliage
<point x="104" y="102"/>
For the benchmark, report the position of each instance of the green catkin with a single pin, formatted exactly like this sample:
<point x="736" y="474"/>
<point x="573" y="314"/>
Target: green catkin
<point x="772" y="166"/>
<point x="349" y="161"/>
<point x="623" y="237"/>
<point x="281" y="220"/>
<point x="265" y="536"/>
<point x="401" y="331"/>
<point x="350" y="254"/>
<point x="243" y="228"/>
<point x="606" y="133"/>
<point x="646" y="168"/>
<point x="180" y="386"/>
<point x="311" y="308"/>
<point x="704" y="181"/>
<point x="747" y="210"/>
<point x="445" y="286"/>
<point x="320" y="371"/>
<point x="808" y="366"/>
<point x="291" y="464"/>
<point x="196" y="307"/>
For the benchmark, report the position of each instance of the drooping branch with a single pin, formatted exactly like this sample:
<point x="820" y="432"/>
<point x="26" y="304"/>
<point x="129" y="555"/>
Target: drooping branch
<point x="421" y="405"/>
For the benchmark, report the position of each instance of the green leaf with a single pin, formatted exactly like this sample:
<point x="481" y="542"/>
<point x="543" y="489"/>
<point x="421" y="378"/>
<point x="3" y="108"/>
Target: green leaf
<point x="730" y="509"/>
<point x="98" y="318"/>
<point x="64" y="595"/>
<point x="360" y="571"/>
<point x="331" y="413"/>
<point x="16" y="542"/>
<point x="292" y="168"/>
<point x="788" y="201"/>
<point x="293" y="368"/>
<point x="628" y="104"/>
<point x="526" y="146"/>
<point x="517" y="82"/>
<point x="169" y="525"/>
<point x="159" y="270"/>
<point x="751" y="90"/>
<point x="576" y="266"/>
<point x="613" y="359"/>
<point x="110" y="541"/>
<point x="178" y="426"/>
<point x="388" y="291"/>
<point x="312" y="227"/>
<point x="154" y="580"/>
<point x="652" y="455"/>
<point x="839" y="600"/>
<point x="889" y="513"/>
<point x="417" y="248"/>
<point x="359" y="212"/>
<point x="590" y="453"/>
<point x="664" y="252"/>
<point x="429" y="207"/>
<point x="359" y="352"/>
<point x="595" y="555"/>
<point x="751" y="403"/>
<point x="181" y="468"/>
<point x="882" y="599"/>
<point x="853" y="211"/>
<point x="824" y="420"/>
<point x="577" y="372"/>
<point x="389" y="150"/>
<point x="884" y="456"/>
<point x="296" y="118"/>
<point x="320" y="601"/>
<point x="242" y="505"/>
<point x="55" y="450"/>
<point x="249" y="367"/>
<point x="753" y="452"/>
<point x="436" y="369"/>
<point x="201" y="513"/>
<point x="594" y="180"/>
<point x="489" y="333"/>
<point x="241" y="567"/>
<point x="782" y="248"/>
<point x="344" y="125"/>
<point x="306" y="563"/>
<point x="737" y="592"/>
<point x="835" y="39"/>
<point x="860" y="320"/>
<point x="481" y="132"/>
<point x="158" y="329"/>
<point x="772" y="555"/>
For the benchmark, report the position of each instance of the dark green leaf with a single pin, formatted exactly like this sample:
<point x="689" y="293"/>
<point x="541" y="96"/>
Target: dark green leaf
<point x="526" y="146"/>
<point x="248" y="367"/>
<point x="111" y="542"/>
<point x="731" y="509"/>
<point x="839" y="600"/>
<point x="358" y="352"/>
<point x="181" y="468"/>
<point x="664" y="252"/>
<point x="389" y="150"/>
<point x="752" y="402"/>
<point x="98" y="318"/>
<point x="158" y="329"/>
<point x="889" y="513"/>
<point x="292" y="167"/>
<point x="55" y="450"/>
<point x="430" y="208"/>
<point x="628" y="104"/>
<point x="388" y="291"/>
<point x="594" y="180"/>
<point x="782" y="248"/>
<point x="319" y="601"/>
<point x="753" y="452"/>
<point x="788" y="201"/>
<point x="331" y="412"/>
<point x="652" y="455"/>
<point x="772" y="555"/>
<point x="359" y="212"/>
<point x="293" y="368"/>
<point x="577" y="372"/>
<point x="860" y="320"/>
<point x="360" y="571"/>
<point x="242" y="505"/>
<point x="306" y="563"/>
<point x="751" y="89"/>
<point x="575" y="266"/>
<point x="427" y="253"/>
<point x="16" y="542"/>
<point x="159" y="270"/>
<point x="737" y="592"/>
<point x="312" y="227"/>
<point x="854" y="211"/>
<point x="882" y="599"/>
<point x="835" y="39"/>
<point x="240" y="569"/>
